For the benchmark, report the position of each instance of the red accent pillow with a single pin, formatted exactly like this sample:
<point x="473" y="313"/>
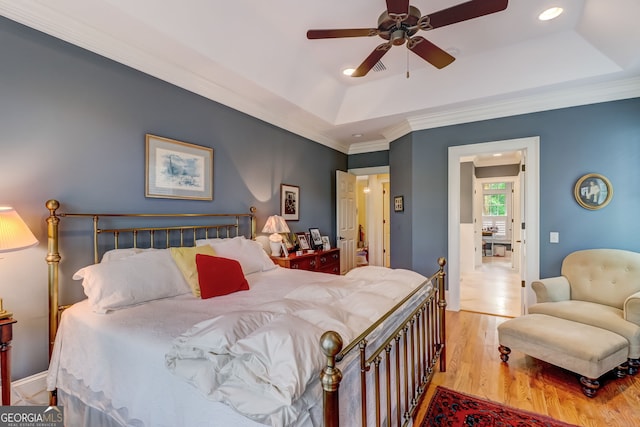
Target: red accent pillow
<point x="219" y="276"/>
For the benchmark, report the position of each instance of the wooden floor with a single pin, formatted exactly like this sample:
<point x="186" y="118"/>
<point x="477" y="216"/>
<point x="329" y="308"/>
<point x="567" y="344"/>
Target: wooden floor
<point x="474" y="367"/>
<point x="492" y="288"/>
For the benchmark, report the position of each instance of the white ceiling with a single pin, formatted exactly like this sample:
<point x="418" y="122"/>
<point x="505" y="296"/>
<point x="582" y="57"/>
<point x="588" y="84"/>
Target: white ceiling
<point x="254" y="56"/>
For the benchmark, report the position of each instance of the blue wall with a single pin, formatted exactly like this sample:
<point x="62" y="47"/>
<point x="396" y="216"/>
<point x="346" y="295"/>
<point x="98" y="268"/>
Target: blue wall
<point x="599" y="138"/>
<point x="72" y="128"/>
<point x="367" y="160"/>
<point x="401" y="184"/>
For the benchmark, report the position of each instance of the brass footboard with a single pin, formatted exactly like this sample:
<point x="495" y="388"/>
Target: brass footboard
<point x="403" y="361"/>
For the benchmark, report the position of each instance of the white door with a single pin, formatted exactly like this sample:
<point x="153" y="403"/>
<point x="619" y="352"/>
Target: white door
<point x="522" y="245"/>
<point x="516" y="226"/>
<point x="386" y="224"/>
<point x="478" y="202"/>
<point x="346" y="220"/>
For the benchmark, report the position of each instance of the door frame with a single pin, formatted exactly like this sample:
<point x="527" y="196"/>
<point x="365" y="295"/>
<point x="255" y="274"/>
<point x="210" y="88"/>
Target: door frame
<point x="374" y="215"/>
<point x="530" y="196"/>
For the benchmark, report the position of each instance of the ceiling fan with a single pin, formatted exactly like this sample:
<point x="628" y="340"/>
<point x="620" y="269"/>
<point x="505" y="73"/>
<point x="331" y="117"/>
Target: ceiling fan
<point x="401" y="21"/>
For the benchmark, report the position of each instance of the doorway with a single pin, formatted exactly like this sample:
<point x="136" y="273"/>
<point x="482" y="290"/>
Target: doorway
<point x="529" y="253"/>
<point x="490" y="283"/>
<point x="372" y="216"/>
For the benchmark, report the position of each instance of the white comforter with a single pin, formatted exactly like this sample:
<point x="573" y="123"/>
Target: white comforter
<point x="260" y="359"/>
<point x="116" y="362"/>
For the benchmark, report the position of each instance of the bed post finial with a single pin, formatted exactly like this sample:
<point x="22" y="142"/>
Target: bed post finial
<point x="53" y="260"/>
<point x="330" y="377"/>
<point x="442" y="305"/>
<point x="253" y="210"/>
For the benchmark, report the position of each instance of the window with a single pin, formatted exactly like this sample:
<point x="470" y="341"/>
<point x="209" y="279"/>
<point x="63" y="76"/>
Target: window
<point x="495" y="199"/>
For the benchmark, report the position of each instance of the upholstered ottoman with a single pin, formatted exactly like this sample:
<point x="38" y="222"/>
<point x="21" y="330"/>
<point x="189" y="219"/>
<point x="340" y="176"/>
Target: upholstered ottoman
<point x="576" y="347"/>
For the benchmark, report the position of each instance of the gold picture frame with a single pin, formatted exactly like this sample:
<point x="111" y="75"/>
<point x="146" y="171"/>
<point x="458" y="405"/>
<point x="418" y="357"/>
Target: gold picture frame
<point x="593" y="191"/>
<point x="177" y="170"/>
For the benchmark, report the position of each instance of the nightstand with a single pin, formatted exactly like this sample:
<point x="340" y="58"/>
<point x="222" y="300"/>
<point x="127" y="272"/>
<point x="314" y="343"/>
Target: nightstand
<point x="6" y="335"/>
<point x="320" y="261"/>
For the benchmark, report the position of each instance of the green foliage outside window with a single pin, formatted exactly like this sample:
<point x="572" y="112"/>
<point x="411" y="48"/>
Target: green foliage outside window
<point x="494" y="205"/>
<point x="495" y="186"/>
<point x="495" y="199"/>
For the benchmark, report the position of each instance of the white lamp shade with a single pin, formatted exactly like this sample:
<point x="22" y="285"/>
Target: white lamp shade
<point x="276" y="224"/>
<point x="14" y="233"/>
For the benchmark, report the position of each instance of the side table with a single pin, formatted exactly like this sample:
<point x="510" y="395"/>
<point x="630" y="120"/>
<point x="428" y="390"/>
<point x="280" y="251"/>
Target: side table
<point x="6" y="335"/>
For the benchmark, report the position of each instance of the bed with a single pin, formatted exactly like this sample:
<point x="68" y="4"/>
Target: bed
<point x="261" y="345"/>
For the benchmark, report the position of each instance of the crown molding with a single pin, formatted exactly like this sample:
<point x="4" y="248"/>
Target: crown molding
<point x="562" y="98"/>
<point x="368" y="147"/>
<point x="397" y="131"/>
<point x="46" y="20"/>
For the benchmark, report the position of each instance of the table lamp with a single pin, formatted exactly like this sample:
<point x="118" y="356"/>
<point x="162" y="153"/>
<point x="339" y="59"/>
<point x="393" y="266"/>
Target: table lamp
<point x="14" y="236"/>
<point x="276" y="224"/>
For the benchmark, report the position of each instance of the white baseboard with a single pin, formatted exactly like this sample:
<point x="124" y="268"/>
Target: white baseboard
<point x="31" y="390"/>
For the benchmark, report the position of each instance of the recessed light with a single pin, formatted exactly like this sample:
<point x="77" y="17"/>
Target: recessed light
<point x="550" y="13"/>
<point x="497" y="154"/>
<point x="356" y="135"/>
<point x="348" y="71"/>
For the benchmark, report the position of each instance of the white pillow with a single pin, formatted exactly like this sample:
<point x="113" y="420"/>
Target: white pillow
<point x="248" y="253"/>
<point x="115" y="254"/>
<point x="135" y="279"/>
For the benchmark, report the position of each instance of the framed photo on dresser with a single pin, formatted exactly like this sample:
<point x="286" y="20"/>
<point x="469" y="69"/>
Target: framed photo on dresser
<point x="326" y="243"/>
<point x="316" y="238"/>
<point x="303" y="242"/>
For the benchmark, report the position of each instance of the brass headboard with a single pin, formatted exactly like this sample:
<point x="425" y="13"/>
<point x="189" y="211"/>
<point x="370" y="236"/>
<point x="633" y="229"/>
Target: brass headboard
<point x="160" y="236"/>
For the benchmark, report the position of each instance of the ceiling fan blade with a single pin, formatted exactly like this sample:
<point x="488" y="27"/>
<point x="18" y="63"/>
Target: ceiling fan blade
<point x="371" y="60"/>
<point x="429" y="52"/>
<point x="463" y="12"/>
<point x="398" y="8"/>
<point x="334" y="34"/>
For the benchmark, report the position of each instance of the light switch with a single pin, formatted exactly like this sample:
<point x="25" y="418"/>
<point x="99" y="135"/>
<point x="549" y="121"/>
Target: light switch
<point x="554" y="237"/>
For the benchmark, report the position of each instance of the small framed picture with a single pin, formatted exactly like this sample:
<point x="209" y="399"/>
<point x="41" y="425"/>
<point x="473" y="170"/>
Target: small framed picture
<point x="285" y="252"/>
<point x="290" y="202"/>
<point x="326" y="243"/>
<point x="398" y="204"/>
<point x="303" y="242"/>
<point x="593" y="191"/>
<point x="316" y="238"/>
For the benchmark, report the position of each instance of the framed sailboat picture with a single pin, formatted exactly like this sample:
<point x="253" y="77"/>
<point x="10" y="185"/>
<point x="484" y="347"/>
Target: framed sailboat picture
<point x="178" y="170"/>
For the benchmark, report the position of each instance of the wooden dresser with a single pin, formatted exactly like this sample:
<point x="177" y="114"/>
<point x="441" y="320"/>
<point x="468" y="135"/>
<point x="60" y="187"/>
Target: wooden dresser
<point x="321" y="261"/>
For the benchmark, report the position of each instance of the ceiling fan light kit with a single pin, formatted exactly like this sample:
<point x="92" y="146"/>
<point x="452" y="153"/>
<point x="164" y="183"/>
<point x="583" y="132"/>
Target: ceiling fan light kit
<point x="401" y="21"/>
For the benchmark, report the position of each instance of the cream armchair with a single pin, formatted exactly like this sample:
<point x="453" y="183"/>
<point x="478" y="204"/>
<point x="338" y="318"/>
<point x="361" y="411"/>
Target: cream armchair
<point x="598" y="287"/>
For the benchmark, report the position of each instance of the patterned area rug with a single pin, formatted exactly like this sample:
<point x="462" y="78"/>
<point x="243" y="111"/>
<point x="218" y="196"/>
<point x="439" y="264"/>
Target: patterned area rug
<point x="453" y="409"/>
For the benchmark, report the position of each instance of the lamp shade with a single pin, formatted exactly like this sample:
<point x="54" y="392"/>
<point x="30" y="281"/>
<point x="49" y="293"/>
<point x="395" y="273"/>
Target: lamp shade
<point x="14" y="233"/>
<point x="276" y="224"/>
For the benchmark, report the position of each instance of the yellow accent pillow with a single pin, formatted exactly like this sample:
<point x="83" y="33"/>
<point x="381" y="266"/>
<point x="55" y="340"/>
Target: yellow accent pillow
<point x="185" y="259"/>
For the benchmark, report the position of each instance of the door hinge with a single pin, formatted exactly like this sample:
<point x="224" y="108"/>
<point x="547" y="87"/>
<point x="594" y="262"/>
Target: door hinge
<point x="523" y="168"/>
<point x="523" y="284"/>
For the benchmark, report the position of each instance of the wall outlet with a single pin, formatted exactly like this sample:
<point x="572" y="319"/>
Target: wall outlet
<point x="554" y="237"/>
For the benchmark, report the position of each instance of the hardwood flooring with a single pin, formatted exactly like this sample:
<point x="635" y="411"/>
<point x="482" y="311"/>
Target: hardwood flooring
<point x="492" y="288"/>
<point x="474" y="367"/>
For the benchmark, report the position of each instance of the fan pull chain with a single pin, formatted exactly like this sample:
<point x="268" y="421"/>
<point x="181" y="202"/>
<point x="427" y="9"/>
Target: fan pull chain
<point x="407" y="63"/>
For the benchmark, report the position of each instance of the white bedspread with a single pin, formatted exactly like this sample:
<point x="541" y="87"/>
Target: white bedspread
<point x="268" y="333"/>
